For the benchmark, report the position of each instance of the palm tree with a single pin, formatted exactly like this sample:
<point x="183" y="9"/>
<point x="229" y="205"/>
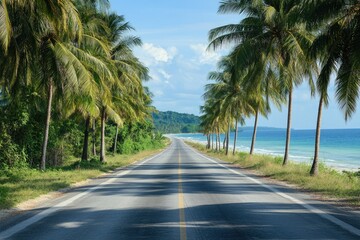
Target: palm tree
<point x="336" y="47"/>
<point x="207" y="123"/>
<point x="275" y="30"/>
<point x="126" y="97"/>
<point x="259" y="81"/>
<point x="40" y="47"/>
<point x="230" y="96"/>
<point x="260" y="97"/>
<point x="210" y="117"/>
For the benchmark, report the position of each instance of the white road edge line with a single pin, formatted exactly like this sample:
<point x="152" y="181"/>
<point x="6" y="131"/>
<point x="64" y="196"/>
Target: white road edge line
<point x="24" y="224"/>
<point x="312" y="209"/>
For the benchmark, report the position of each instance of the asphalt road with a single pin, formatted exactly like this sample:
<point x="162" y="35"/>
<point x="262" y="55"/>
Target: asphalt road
<point x="180" y="194"/>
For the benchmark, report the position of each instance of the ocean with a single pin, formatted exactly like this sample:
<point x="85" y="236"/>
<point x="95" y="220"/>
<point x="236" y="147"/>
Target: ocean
<point x="339" y="148"/>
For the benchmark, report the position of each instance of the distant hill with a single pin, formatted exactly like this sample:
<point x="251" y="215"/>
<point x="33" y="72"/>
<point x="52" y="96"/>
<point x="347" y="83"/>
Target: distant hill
<point x="173" y="122"/>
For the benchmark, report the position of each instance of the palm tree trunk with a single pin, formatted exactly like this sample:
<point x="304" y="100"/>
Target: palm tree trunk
<point x="212" y="141"/>
<point x="219" y="137"/>
<point x="208" y="141"/>
<point x="224" y="141"/>
<point x="102" y="145"/>
<point x="85" y="154"/>
<point x="216" y="143"/>
<point x="254" y="132"/>
<point x="288" y="129"/>
<point x="47" y="126"/>
<point x="94" y="138"/>
<point x="116" y="137"/>
<point x="314" y="168"/>
<point x="227" y="139"/>
<point x="235" y="136"/>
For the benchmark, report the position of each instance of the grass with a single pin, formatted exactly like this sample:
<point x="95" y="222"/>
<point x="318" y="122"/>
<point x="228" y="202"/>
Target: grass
<point x="19" y="185"/>
<point x="340" y="187"/>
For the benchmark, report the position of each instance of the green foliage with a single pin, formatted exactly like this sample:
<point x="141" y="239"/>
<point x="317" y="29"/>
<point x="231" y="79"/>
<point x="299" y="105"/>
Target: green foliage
<point x="21" y="130"/>
<point x="11" y="155"/>
<point x="173" y="122"/>
<point x="136" y="137"/>
<point x="12" y="119"/>
<point x="127" y="147"/>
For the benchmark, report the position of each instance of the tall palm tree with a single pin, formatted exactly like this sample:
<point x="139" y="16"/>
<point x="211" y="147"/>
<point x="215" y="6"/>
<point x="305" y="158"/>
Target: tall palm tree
<point x="207" y="123"/>
<point x="126" y="97"/>
<point x="259" y="81"/>
<point x="235" y="103"/>
<point x="336" y="47"/>
<point x="43" y="30"/>
<point x="274" y="29"/>
<point x="260" y="97"/>
<point x="228" y="92"/>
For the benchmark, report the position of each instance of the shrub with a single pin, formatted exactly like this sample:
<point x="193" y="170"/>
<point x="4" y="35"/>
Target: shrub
<point x="128" y="146"/>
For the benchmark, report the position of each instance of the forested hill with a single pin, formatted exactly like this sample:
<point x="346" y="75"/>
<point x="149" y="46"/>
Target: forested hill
<point x="173" y="122"/>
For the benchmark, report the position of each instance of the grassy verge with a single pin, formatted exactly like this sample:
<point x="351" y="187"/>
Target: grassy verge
<point x="340" y="187"/>
<point x="19" y="185"/>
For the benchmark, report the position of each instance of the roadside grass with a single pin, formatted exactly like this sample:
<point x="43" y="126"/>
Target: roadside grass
<point x="19" y="185"/>
<point x="340" y="187"/>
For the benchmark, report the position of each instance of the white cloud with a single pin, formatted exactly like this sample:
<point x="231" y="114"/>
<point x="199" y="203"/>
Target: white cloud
<point x="153" y="55"/>
<point x="164" y="74"/>
<point x="205" y="56"/>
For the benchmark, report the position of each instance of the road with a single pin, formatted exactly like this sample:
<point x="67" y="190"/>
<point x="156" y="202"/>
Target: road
<point x="180" y="194"/>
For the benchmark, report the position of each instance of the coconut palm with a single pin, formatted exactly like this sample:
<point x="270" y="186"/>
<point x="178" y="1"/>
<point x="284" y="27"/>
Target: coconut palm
<point x="260" y="96"/>
<point x="126" y="95"/>
<point x="211" y="115"/>
<point x="207" y="123"/>
<point x="236" y="102"/>
<point x="336" y="48"/>
<point x="39" y="50"/>
<point x="259" y="81"/>
<point x="274" y="29"/>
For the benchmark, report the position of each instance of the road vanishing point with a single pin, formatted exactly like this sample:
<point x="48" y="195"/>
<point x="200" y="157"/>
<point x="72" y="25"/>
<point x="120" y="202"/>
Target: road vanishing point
<point x="182" y="194"/>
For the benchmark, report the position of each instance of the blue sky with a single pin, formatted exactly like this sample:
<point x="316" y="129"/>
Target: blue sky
<point x="174" y="35"/>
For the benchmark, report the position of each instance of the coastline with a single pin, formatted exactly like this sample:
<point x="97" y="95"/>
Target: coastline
<point x="331" y="163"/>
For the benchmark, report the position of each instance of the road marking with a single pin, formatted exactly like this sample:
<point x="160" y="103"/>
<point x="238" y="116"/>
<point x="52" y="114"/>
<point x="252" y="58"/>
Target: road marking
<point x="181" y="203"/>
<point x="24" y="224"/>
<point x="312" y="209"/>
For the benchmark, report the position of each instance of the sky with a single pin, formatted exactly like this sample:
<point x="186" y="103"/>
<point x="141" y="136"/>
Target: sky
<point x="175" y="40"/>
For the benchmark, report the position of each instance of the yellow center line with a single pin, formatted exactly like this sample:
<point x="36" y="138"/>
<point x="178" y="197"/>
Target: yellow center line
<point x="181" y="204"/>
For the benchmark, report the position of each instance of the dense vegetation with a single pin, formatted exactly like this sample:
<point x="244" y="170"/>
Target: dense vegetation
<point x="70" y="85"/>
<point x="277" y="46"/>
<point x="173" y="122"/>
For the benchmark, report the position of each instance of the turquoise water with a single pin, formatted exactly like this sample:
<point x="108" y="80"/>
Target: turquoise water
<point x="339" y="148"/>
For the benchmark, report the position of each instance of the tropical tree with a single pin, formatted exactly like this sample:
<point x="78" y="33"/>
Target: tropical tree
<point x="236" y="103"/>
<point x="126" y="97"/>
<point x="39" y="47"/>
<point x="207" y="124"/>
<point x="274" y="29"/>
<point x="73" y="57"/>
<point x="336" y="48"/>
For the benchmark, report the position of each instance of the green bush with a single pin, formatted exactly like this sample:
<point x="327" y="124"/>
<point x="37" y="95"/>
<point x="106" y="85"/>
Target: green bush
<point x="128" y="146"/>
<point x="11" y="155"/>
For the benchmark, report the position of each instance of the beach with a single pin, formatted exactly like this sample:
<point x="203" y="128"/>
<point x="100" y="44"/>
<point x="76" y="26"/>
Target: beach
<point x="339" y="149"/>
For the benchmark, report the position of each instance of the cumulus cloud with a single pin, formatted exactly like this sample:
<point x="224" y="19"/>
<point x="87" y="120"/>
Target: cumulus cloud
<point x="205" y="56"/>
<point x="153" y="55"/>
